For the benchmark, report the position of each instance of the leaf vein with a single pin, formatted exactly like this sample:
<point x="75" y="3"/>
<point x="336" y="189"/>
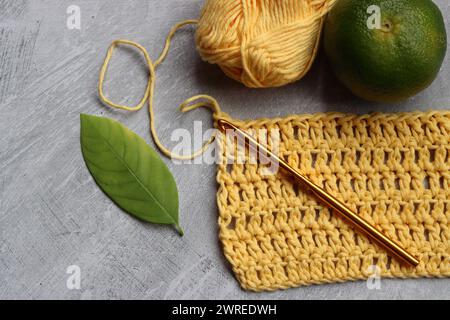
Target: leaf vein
<point x="142" y="185"/>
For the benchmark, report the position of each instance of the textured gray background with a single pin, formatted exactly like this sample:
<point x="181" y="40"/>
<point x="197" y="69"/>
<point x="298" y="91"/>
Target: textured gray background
<point x="52" y="214"/>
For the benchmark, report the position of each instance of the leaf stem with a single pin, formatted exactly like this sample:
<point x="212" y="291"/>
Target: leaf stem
<point x="178" y="228"/>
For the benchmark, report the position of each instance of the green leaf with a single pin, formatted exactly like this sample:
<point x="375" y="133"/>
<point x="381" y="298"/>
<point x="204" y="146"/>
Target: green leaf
<point x="129" y="171"/>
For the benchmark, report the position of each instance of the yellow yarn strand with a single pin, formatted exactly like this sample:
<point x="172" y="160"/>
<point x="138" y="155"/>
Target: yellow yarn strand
<point x="188" y="105"/>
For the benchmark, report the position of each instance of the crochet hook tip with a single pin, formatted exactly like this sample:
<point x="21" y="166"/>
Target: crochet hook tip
<point x="223" y="124"/>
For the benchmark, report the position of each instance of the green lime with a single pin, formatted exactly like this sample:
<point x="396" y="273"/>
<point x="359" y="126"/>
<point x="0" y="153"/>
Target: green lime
<point x="385" y="50"/>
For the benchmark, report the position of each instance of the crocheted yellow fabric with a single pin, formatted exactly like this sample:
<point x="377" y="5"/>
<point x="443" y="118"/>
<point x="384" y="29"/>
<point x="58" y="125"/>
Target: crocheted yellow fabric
<point x="393" y="169"/>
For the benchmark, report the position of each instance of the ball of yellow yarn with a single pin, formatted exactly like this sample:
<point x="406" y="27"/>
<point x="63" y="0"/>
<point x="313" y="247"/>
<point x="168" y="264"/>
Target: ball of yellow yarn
<point x="261" y="43"/>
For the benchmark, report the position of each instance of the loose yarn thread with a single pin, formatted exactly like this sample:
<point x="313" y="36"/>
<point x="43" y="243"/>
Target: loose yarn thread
<point x="274" y="235"/>
<point x="192" y="103"/>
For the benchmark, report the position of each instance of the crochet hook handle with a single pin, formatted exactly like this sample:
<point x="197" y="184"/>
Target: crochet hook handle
<point x="354" y="219"/>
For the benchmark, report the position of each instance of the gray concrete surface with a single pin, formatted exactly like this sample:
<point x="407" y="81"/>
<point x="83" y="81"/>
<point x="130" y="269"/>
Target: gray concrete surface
<point x="52" y="215"/>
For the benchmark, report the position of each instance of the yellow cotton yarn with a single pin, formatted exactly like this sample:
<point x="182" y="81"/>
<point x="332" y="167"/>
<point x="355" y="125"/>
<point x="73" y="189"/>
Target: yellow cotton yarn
<point x="261" y="43"/>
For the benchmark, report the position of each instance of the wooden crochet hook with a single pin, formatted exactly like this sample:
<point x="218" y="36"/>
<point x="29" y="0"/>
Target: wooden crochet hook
<point x="354" y="219"/>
